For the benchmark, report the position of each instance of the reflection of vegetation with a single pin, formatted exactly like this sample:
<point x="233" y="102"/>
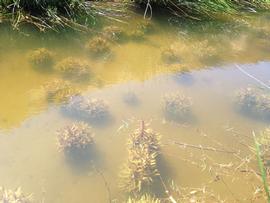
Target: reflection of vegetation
<point x="191" y="194"/>
<point x="72" y="67"/>
<point x="141" y="168"/>
<point x="75" y="136"/>
<point x="41" y="58"/>
<point x="60" y="91"/>
<point x="89" y="109"/>
<point x="97" y="46"/>
<point x="10" y="196"/>
<point x="144" y="199"/>
<point x="254" y="101"/>
<point x="177" y="106"/>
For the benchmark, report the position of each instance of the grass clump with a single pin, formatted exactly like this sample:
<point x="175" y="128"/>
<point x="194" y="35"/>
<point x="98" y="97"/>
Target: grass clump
<point x="177" y="106"/>
<point x="41" y="58"/>
<point x="59" y="91"/>
<point x="170" y="56"/>
<point x="207" y="9"/>
<point x="73" y="68"/>
<point x="113" y="33"/>
<point x="254" y="101"/>
<point x="75" y="136"/>
<point x="12" y="196"/>
<point x="98" y="46"/>
<point x="140" y="30"/>
<point x="46" y="14"/>
<point x="141" y="168"/>
<point x="95" y="110"/>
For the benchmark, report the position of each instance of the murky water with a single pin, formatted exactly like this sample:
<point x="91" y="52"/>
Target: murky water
<point x="198" y="60"/>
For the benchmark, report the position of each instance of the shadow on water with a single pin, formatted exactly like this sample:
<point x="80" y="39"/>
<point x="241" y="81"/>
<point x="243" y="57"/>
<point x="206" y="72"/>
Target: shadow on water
<point x="131" y="99"/>
<point x="82" y="161"/>
<point x="159" y="185"/>
<point x="94" y="122"/>
<point x="166" y="173"/>
<point x="189" y="118"/>
<point x="247" y="112"/>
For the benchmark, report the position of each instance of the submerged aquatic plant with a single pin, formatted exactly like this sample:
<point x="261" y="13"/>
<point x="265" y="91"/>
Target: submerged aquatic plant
<point x="95" y="110"/>
<point x="113" y="33"/>
<point x="177" y="106"/>
<point x="139" y="172"/>
<point x="75" y="136"/>
<point x="140" y="30"/>
<point x="17" y="196"/>
<point x="143" y="199"/>
<point x="170" y="55"/>
<point x="144" y="138"/>
<point x="97" y="46"/>
<point x="254" y="101"/>
<point x="60" y="91"/>
<point x="145" y="26"/>
<point x="73" y="68"/>
<point x="41" y="58"/>
<point x="141" y="168"/>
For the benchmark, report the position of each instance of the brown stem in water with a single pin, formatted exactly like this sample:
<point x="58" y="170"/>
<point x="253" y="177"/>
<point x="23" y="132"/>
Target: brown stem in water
<point x="203" y="147"/>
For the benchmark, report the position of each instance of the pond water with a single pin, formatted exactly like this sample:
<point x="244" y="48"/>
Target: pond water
<point x="209" y="155"/>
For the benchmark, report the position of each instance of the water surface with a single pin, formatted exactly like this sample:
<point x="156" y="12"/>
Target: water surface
<point x="206" y="72"/>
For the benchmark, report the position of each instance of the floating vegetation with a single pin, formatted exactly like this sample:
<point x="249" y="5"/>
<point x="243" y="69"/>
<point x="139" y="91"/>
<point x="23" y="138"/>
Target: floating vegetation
<point x="141" y="168"/>
<point x="98" y="46"/>
<point x="130" y="98"/>
<point x="191" y="194"/>
<point x="41" y="58"/>
<point x="170" y="55"/>
<point x="60" y="91"/>
<point x="75" y="136"/>
<point x="95" y="110"/>
<point x="73" y="68"/>
<point x="113" y="33"/>
<point x="254" y="102"/>
<point x="177" y="106"/>
<point x="17" y="196"/>
<point x="144" y="199"/>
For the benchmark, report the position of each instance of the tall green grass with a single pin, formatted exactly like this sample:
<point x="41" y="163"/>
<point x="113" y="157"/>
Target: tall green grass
<point x="201" y="9"/>
<point x="262" y="168"/>
<point x="46" y="14"/>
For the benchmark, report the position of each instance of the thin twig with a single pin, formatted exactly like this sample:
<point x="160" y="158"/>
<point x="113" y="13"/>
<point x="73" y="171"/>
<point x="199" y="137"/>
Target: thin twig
<point x="203" y="147"/>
